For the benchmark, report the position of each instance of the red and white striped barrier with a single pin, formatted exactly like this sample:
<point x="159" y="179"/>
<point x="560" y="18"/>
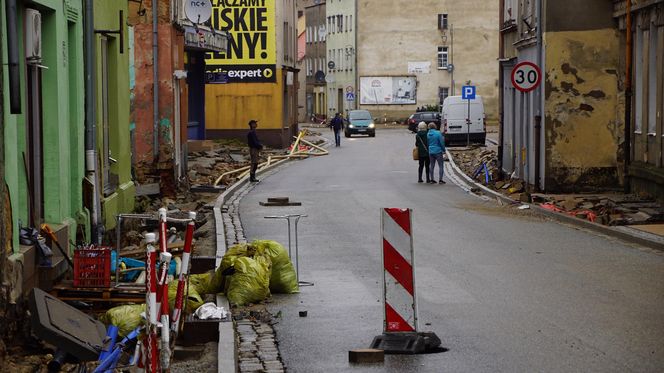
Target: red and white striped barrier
<point x="184" y="273"/>
<point x="398" y="273"/>
<point x="151" y="355"/>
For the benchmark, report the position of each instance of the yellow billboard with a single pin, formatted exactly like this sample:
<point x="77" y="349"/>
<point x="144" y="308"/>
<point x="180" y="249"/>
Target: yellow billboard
<point x="251" y="55"/>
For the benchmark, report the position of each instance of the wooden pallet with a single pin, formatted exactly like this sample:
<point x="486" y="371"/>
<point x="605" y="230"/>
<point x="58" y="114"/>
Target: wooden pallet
<point x="67" y="292"/>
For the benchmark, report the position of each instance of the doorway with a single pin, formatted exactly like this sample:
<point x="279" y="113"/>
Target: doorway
<point x="33" y="161"/>
<point x="340" y="100"/>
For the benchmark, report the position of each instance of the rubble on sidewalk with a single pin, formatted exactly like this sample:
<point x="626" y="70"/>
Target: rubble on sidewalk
<point x="611" y="209"/>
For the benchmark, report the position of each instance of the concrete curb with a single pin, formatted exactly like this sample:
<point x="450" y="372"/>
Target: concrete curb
<point x="624" y="233"/>
<point x="228" y="344"/>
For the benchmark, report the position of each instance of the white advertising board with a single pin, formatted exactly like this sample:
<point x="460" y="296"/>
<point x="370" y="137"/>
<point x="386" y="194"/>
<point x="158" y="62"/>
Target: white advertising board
<point x="388" y="90"/>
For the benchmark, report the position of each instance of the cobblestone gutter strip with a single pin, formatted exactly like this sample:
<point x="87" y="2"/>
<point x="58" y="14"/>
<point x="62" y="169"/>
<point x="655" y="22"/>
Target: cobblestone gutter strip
<point x="252" y="346"/>
<point x="624" y="233"/>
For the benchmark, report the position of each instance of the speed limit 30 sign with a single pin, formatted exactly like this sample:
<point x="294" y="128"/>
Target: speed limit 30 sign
<point x="526" y="76"/>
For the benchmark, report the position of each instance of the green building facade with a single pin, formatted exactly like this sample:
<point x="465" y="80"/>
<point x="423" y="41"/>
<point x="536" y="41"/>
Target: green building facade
<point x="43" y="139"/>
<point x="113" y="127"/>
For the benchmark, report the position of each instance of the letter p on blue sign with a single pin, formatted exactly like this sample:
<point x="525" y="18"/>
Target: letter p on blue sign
<point x="468" y="92"/>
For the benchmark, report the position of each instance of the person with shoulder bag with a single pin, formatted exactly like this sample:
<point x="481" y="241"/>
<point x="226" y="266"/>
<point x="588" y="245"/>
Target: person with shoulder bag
<point x="422" y="152"/>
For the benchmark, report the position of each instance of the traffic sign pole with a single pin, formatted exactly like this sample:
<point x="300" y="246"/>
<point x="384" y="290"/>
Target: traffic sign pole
<point x="468" y="93"/>
<point x="468" y="126"/>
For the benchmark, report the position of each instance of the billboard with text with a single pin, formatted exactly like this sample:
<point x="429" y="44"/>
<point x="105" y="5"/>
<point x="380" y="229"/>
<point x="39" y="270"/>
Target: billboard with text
<point x="251" y="56"/>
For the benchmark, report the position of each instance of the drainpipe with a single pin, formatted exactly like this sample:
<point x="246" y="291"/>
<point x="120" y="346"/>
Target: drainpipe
<point x="501" y="94"/>
<point x="90" y="124"/>
<point x="628" y="95"/>
<point x="12" y="56"/>
<point x="155" y="80"/>
<point x="539" y="100"/>
<point x="356" y="104"/>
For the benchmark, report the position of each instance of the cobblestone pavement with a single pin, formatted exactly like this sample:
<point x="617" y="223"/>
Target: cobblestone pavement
<point x="258" y="350"/>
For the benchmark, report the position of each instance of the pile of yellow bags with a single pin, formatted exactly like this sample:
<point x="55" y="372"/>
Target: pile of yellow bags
<point x="252" y="271"/>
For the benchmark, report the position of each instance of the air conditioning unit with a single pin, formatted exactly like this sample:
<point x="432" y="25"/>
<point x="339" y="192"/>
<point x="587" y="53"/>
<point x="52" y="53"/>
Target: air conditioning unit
<point x="33" y="48"/>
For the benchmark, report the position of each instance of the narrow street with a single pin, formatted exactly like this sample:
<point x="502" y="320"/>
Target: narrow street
<point x="504" y="290"/>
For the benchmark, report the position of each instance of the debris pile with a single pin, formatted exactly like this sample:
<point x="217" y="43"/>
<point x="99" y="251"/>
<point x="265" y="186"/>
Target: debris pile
<point x="608" y="209"/>
<point x="480" y="164"/>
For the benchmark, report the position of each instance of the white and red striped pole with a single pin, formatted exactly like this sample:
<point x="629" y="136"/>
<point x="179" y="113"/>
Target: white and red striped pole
<point x="162" y="249"/>
<point x="398" y="271"/>
<point x="165" y="259"/>
<point x="151" y="356"/>
<point x="184" y="273"/>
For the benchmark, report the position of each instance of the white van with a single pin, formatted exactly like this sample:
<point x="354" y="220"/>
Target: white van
<point x="453" y="120"/>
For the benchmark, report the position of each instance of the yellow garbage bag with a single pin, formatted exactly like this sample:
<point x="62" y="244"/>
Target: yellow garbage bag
<point x="250" y="281"/>
<point x="283" y="279"/>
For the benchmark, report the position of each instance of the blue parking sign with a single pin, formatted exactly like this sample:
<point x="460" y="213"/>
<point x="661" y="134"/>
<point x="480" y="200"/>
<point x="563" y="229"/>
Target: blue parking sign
<point x="468" y="92"/>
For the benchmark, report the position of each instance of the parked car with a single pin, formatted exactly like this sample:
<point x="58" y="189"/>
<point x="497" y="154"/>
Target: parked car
<point x="454" y="115"/>
<point x="360" y="122"/>
<point x="422" y="116"/>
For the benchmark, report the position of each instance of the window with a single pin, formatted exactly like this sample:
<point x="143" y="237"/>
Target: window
<point x="340" y="23"/>
<point x="346" y="30"/>
<point x="442" y="21"/>
<point x="638" y="80"/>
<point x="652" y="80"/>
<point x="443" y="92"/>
<point x="509" y="10"/>
<point x="334" y="22"/>
<point x="350" y="24"/>
<point x="442" y="58"/>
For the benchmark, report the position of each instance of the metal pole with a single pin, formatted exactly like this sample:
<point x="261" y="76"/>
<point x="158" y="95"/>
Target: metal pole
<point x="538" y="133"/>
<point x="452" y="57"/>
<point x="468" y="125"/>
<point x="90" y="123"/>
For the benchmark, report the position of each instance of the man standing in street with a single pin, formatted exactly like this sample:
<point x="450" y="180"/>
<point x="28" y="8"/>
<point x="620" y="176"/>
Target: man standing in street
<point x="337" y="125"/>
<point x="255" y="147"/>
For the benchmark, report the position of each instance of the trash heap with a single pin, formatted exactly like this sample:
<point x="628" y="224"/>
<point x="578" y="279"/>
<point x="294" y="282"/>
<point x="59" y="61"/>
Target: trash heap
<point x="481" y="165"/>
<point x="607" y="209"/>
<point x="248" y="273"/>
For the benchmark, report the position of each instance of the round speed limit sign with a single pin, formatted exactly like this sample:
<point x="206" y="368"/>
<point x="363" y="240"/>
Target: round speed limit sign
<point x="526" y="76"/>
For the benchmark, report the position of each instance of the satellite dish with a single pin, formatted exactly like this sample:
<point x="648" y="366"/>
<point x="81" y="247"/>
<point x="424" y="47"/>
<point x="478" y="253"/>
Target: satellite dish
<point x="319" y="76"/>
<point x="198" y="11"/>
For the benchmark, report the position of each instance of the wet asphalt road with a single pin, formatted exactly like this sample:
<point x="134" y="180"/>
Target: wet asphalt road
<point x="505" y="291"/>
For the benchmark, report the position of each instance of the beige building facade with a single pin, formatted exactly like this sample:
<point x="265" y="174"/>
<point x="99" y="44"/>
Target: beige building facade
<point x="414" y="54"/>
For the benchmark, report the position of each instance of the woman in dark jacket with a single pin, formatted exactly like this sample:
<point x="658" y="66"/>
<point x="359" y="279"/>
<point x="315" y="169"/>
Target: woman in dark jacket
<point x="422" y="150"/>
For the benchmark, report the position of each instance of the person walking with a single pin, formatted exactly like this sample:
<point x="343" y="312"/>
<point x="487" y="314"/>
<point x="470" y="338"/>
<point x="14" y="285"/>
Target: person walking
<point x="255" y="147"/>
<point x="422" y="151"/>
<point x="337" y="124"/>
<point x="436" y="143"/>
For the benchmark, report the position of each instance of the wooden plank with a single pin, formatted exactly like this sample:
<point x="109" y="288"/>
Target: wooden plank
<point x="366" y="355"/>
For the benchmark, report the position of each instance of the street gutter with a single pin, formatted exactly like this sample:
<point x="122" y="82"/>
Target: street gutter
<point x="622" y="232"/>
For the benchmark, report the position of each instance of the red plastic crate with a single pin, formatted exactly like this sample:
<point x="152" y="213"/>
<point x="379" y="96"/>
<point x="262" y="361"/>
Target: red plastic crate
<point x="92" y="267"/>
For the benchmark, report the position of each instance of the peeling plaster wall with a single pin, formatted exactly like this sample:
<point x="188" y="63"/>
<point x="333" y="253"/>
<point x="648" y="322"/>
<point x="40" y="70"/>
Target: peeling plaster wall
<point x="582" y="133"/>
